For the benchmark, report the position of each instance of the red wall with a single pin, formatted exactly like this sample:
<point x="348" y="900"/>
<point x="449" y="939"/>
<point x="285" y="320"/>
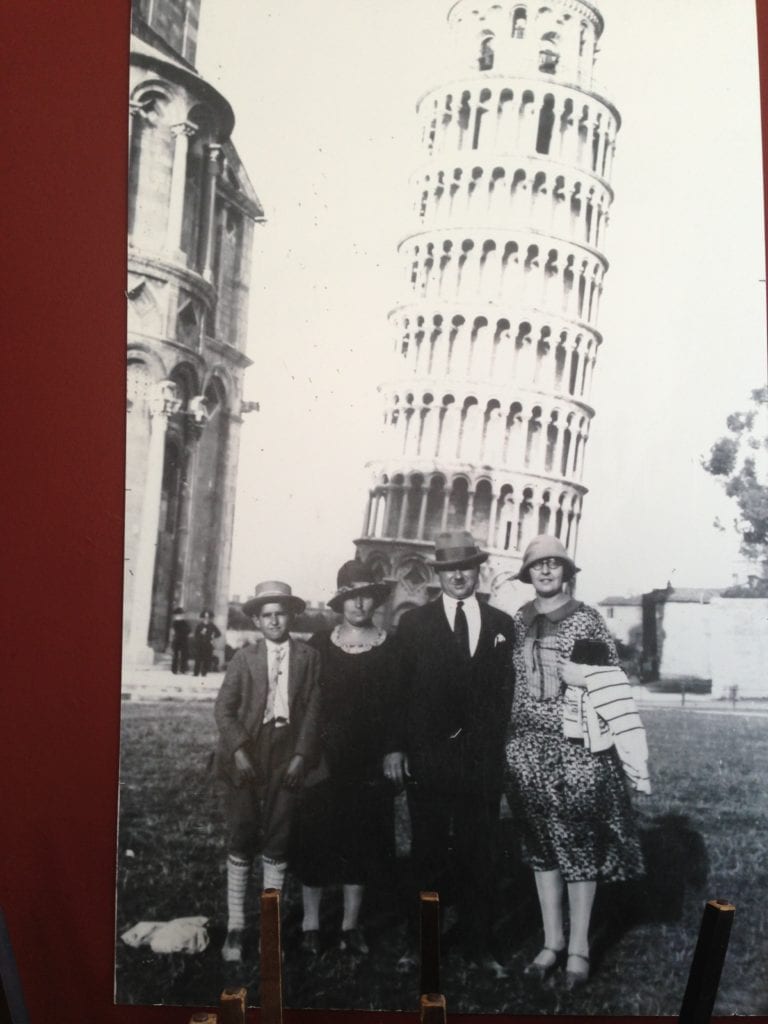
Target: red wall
<point x="62" y="405"/>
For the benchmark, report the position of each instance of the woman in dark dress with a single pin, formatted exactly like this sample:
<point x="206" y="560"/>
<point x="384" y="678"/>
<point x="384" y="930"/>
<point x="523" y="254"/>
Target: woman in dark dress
<point x="345" y="829"/>
<point x="571" y="804"/>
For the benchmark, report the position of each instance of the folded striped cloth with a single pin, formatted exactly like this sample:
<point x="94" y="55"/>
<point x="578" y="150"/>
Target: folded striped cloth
<point x="605" y="714"/>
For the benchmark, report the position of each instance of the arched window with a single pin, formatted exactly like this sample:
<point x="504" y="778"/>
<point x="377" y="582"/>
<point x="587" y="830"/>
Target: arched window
<point x="518" y="23"/>
<point x="546" y="123"/>
<point x="532" y="435"/>
<point x="395" y="505"/>
<point x="545" y="513"/>
<point x="503" y="538"/>
<point x="457" y="504"/>
<point x="524" y="518"/>
<point x="552" y="432"/>
<point x="433" y="519"/>
<point x="485" y="61"/>
<point x="414" y="499"/>
<point x="481" y="525"/>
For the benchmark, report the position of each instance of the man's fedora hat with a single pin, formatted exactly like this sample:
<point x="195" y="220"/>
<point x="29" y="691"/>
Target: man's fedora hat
<point x="546" y="546"/>
<point x="355" y="578"/>
<point x="457" y="550"/>
<point x="273" y="590"/>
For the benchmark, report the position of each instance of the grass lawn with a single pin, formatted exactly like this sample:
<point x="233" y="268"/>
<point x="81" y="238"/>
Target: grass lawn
<point x="705" y="829"/>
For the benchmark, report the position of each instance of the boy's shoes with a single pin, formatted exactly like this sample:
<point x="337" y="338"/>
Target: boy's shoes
<point x="232" y="950"/>
<point x="310" y="942"/>
<point x="353" y="941"/>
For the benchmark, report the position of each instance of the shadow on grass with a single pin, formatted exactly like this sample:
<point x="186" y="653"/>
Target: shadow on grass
<point x="676" y="863"/>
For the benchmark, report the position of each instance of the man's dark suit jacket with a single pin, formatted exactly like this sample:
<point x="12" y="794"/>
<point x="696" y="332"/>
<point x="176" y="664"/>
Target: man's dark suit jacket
<point x="455" y="710"/>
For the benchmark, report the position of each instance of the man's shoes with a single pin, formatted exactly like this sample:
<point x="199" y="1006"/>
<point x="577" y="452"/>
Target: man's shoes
<point x="576" y="971"/>
<point x="232" y="950"/>
<point x="487" y="963"/>
<point x="407" y="962"/>
<point x="541" y="968"/>
<point x="353" y="941"/>
<point x="310" y="942"/>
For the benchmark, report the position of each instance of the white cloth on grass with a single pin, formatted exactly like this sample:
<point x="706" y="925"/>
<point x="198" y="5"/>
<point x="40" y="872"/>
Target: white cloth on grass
<point x="182" y="935"/>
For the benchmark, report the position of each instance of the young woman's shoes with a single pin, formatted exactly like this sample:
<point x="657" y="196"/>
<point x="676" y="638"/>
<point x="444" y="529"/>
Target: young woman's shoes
<point x="576" y="971"/>
<point x="547" y="961"/>
<point x="310" y="943"/>
<point x="353" y="941"/>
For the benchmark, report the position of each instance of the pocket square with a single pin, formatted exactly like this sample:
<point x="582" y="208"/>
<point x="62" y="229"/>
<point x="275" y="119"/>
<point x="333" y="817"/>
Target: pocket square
<point x="499" y="639"/>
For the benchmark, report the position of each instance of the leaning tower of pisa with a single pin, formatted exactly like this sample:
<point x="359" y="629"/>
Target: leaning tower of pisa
<point x="488" y="409"/>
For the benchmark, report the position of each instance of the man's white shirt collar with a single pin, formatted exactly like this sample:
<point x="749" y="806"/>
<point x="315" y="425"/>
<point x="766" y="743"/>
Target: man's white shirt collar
<point x="471" y="608"/>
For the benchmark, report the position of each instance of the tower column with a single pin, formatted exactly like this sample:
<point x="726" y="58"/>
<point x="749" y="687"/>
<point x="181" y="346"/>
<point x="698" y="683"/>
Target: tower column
<point x="367" y="516"/>
<point x="205" y="248"/>
<point x="492" y="513"/>
<point x="182" y="133"/>
<point x="405" y="494"/>
<point x="470" y="510"/>
<point x="161" y="405"/>
<point x="422" y="512"/>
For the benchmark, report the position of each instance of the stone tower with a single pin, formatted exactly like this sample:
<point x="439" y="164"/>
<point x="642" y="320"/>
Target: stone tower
<point x="496" y="336"/>
<point x="191" y="217"/>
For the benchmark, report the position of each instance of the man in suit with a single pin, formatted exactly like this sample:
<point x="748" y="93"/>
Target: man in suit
<point x="457" y="679"/>
<point x="267" y="715"/>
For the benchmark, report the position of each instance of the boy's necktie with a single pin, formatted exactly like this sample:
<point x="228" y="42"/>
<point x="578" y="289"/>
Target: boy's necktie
<point x="274" y="679"/>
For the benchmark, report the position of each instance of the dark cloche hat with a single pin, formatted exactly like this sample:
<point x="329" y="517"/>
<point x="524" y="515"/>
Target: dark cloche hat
<point x="273" y="590"/>
<point x="457" y="550"/>
<point x="355" y="578"/>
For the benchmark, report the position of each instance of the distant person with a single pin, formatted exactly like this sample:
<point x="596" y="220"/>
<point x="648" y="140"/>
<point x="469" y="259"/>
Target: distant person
<point x="567" y="782"/>
<point x="345" y="826"/>
<point x="267" y="716"/>
<point x="179" y="641"/>
<point x="206" y="631"/>
<point x="457" y="686"/>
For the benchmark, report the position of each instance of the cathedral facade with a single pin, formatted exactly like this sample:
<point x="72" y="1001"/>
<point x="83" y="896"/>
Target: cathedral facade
<point x="191" y="217"/>
<point x="488" y="410"/>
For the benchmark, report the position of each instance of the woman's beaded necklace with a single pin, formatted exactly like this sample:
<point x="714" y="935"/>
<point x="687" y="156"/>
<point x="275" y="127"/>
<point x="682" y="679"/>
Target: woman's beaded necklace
<point x="357" y="647"/>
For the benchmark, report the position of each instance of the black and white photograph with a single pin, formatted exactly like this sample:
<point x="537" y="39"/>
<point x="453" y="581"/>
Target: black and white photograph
<point x="446" y="516"/>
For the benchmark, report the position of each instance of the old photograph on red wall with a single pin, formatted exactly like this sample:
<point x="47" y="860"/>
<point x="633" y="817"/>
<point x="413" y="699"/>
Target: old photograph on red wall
<point x="446" y="554"/>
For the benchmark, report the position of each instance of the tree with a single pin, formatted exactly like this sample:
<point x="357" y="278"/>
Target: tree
<point x="740" y="459"/>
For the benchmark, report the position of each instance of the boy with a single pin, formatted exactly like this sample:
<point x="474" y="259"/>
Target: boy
<point x="267" y="716"/>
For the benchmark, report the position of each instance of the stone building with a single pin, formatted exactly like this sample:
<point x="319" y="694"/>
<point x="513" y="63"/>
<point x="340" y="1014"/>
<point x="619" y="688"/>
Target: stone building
<point x="191" y="216"/>
<point x="496" y="339"/>
<point x="707" y="641"/>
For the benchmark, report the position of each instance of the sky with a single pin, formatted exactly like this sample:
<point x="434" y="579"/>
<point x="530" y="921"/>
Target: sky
<point x="324" y="98"/>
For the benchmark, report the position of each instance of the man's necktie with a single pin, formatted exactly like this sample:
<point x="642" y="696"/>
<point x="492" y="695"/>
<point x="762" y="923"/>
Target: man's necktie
<point x="461" y="630"/>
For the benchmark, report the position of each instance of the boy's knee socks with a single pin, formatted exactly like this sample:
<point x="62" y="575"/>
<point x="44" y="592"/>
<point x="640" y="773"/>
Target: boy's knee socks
<point x="274" y="873"/>
<point x="238" y="871"/>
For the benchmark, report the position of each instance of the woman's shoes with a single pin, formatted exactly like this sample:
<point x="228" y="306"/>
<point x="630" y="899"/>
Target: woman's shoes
<point x="540" y="970"/>
<point x="577" y="971"/>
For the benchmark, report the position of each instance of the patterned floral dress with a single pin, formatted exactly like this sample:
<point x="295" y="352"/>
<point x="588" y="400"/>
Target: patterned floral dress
<point x="572" y="806"/>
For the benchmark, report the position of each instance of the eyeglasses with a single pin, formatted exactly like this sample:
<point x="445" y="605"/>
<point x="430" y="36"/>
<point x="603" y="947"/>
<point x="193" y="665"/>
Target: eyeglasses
<point x="546" y="563"/>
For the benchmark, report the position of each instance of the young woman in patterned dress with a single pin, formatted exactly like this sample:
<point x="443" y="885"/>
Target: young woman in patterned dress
<point x="571" y="805"/>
